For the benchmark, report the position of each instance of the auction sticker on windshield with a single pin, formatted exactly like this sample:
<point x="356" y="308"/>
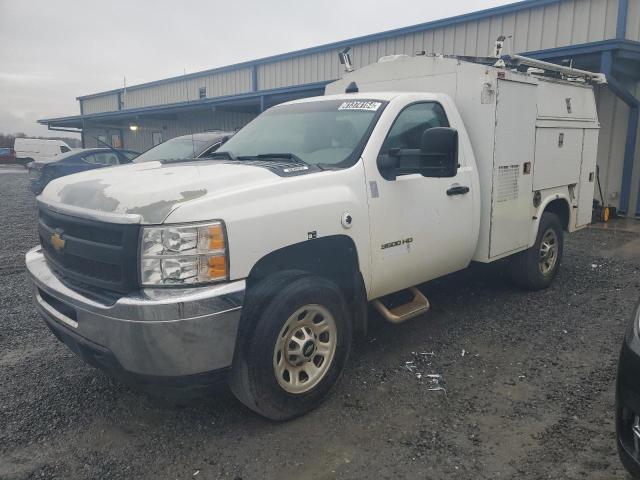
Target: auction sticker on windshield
<point x="360" y="105"/>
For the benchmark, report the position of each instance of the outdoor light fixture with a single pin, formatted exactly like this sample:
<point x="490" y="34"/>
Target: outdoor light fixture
<point x="133" y="128"/>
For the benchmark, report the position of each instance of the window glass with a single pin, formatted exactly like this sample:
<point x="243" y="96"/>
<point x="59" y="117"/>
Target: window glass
<point x="180" y="148"/>
<point x="210" y="150"/>
<point x="64" y="149"/>
<point x="102" y="158"/>
<point x="407" y="130"/>
<point x="202" y="92"/>
<point x="325" y="132"/>
<point x="116" y="141"/>
<point x="90" y="158"/>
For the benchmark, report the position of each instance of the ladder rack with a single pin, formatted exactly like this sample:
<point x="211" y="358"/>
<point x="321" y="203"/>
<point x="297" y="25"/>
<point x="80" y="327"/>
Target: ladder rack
<point x="517" y="60"/>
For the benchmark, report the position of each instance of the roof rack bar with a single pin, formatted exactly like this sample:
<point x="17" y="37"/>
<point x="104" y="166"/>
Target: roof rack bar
<point x="553" y="67"/>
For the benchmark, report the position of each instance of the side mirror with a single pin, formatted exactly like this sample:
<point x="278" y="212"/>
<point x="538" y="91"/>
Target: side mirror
<point x="436" y="157"/>
<point x="439" y="149"/>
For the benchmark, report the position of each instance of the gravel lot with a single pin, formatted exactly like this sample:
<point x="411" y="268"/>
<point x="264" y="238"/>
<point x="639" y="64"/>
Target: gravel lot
<point x="532" y="396"/>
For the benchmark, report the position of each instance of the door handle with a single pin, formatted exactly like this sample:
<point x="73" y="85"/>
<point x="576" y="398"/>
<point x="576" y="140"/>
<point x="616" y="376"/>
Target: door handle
<point x="457" y="190"/>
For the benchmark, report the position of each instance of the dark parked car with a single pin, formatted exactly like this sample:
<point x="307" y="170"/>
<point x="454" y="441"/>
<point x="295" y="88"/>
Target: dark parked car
<point x="42" y="172"/>
<point x="628" y="398"/>
<point x="7" y="155"/>
<point x="186" y="147"/>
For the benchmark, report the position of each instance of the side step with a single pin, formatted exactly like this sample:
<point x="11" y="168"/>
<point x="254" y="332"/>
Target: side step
<point x="414" y="304"/>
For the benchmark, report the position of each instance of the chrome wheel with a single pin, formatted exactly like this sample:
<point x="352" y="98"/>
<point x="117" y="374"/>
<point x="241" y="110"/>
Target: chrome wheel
<point x="305" y="349"/>
<point x="548" y="251"/>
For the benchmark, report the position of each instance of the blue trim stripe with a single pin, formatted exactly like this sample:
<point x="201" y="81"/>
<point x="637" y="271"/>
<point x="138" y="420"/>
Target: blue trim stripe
<point x="621" y="22"/>
<point x="467" y="17"/>
<point x="586" y="48"/>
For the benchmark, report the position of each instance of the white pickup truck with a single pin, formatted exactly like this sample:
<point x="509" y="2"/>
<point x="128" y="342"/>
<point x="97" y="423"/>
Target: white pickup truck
<point x="258" y="265"/>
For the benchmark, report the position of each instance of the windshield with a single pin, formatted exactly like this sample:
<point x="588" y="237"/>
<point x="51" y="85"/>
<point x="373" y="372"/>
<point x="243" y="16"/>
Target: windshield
<point x="325" y="132"/>
<point x="181" y="148"/>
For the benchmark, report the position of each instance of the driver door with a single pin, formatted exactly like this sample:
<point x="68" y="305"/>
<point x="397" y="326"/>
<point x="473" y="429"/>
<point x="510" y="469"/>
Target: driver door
<point x="420" y="226"/>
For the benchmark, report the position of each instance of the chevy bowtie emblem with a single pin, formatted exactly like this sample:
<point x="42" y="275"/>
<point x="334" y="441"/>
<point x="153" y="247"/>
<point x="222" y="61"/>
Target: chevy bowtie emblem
<point x="57" y="241"/>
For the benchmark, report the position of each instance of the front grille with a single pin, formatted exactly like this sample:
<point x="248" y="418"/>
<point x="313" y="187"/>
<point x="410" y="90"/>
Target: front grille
<point x="95" y="254"/>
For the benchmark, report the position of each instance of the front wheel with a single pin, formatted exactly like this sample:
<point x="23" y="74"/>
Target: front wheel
<point x="535" y="268"/>
<point x="295" y="348"/>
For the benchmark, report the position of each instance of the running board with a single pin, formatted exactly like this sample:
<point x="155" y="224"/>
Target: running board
<point x="411" y="309"/>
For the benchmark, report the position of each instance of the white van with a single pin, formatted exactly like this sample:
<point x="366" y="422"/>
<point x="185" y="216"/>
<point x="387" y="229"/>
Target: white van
<point x="38" y="149"/>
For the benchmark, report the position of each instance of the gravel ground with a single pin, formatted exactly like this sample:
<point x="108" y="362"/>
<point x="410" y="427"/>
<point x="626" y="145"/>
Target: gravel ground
<point x="531" y="397"/>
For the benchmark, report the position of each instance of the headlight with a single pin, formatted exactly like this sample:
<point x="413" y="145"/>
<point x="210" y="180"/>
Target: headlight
<point x="183" y="255"/>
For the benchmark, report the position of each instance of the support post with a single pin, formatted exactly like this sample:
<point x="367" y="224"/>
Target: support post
<point x="606" y="66"/>
<point x="254" y="78"/>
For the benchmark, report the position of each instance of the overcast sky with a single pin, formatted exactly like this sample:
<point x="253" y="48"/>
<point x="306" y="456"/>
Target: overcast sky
<point x="53" y="51"/>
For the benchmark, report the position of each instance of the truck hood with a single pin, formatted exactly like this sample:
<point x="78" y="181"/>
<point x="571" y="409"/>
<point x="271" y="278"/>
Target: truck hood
<point x="152" y="190"/>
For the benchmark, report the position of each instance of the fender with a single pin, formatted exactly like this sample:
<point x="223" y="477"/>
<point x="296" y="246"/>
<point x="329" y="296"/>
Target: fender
<point x="334" y="257"/>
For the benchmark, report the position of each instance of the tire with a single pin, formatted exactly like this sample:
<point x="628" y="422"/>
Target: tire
<point x="529" y="269"/>
<point x="316" y="314"/>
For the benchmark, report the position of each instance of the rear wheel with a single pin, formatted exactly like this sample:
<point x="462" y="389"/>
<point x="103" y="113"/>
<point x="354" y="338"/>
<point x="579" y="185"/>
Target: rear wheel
<point x="295" y="347"/>
<point x="535" y="268"/>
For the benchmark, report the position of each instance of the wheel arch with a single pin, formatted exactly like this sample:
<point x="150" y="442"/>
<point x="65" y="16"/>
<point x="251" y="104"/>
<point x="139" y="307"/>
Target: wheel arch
<point x="561" y="207"/>
<point x="334" y="257"/>
<point x="557" y="203"/>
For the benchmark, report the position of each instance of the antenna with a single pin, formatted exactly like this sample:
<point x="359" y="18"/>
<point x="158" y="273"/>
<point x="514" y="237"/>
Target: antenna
<point x="497" y="52"/>
<point x="345" y="59"/>
<point x="499" y="45"/>
<point x="104" y="143"/>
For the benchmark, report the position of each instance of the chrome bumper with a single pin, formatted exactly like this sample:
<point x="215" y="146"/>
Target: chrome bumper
<point x="154" y="332"/>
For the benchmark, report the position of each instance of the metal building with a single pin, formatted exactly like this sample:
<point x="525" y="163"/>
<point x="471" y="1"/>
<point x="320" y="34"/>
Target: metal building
<point x="597" y="35"/>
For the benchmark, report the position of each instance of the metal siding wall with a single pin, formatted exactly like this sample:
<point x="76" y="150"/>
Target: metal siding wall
<point x="560" y="24"/>
<point x="181" y="90"/>
<point x="566" y="23"/>
<point x="102" y="103"/>
<point x="633" y="21"/>
<point x="613" y="114"/>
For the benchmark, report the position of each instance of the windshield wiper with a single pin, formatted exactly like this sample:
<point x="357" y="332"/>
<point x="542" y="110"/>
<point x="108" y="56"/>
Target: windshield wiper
<point x="277" y="156"/>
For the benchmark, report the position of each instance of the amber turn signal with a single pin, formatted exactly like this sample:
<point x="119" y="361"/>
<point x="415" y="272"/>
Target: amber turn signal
<point x="216" y="237"/>
<point x="217" y="267"/>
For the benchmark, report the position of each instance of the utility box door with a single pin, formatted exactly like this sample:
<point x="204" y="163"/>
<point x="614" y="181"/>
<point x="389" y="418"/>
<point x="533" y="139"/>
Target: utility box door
<point x="572" y="102"/>
<point x="558" y="157"/>
<point x="512" y="167"/>
<point x="587" y="177"/>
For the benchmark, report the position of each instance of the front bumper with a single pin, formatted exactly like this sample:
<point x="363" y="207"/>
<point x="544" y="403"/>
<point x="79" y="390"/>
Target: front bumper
<point x="163" y="336"/>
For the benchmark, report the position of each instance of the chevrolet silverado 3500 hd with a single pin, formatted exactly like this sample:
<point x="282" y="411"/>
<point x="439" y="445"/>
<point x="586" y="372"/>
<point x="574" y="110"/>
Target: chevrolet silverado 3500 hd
<point x="258" y="265"/>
